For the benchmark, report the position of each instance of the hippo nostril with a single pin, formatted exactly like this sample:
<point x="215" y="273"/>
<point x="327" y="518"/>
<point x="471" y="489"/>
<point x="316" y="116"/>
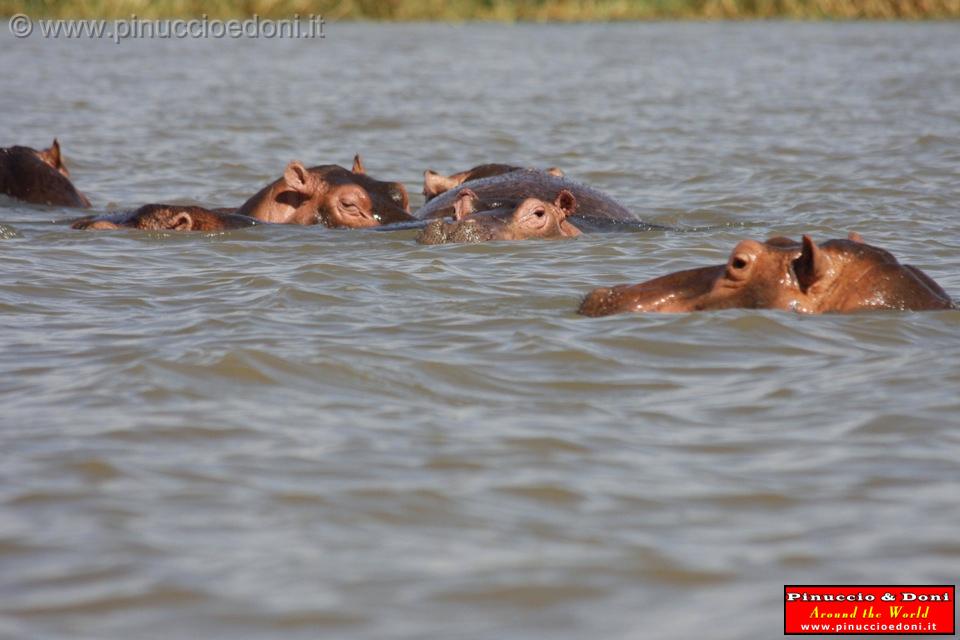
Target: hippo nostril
<point x="598" y="302"/>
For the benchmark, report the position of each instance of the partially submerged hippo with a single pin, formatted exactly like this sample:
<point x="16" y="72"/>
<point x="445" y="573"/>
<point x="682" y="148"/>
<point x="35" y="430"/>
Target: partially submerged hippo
<point x="166" y="217"/>
<point x="435" y="184"/>
<point x="837" y="276"/>
<point x="531" y="218"/>
<point x="329" y="195"/>
<point x="39" y="177"/>
<point x="493" y="202"/>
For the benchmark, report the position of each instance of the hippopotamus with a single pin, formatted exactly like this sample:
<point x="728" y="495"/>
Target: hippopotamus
<point x="531" y="218"/>
<point x="434" y="183"/>
<point x="168" y="217"/>
<point x="39" y="177"/>
<point x="837" y="276"/>
<point x="329" y="195"/>
<point x="494" y="203"/>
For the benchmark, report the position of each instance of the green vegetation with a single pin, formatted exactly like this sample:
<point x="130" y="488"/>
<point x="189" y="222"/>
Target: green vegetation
<point x="502" y="10"/>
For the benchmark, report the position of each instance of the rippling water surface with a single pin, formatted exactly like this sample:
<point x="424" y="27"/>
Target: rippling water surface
<point x="303" y="433"/>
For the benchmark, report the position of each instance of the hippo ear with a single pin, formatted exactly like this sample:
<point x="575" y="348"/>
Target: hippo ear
<point x="52" y="157"/>
<point x="297" y="177"/>
<point x="465" y="205"/>
<point x="434" y="184"/>
<point x="358" y="164"/>
<point x="853" y="236"/>
<point x="54" y="154"/>
<point x="566" y="202"/>
<point x="183" y="221"/>
<point x="811" y="266"/>
<point x="556" y="171"/>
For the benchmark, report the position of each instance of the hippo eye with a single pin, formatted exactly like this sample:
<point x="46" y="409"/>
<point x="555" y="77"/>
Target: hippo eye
<point x="738" y="263"/>
<point x="539" y="213"/>
<point x="350" y="206"/>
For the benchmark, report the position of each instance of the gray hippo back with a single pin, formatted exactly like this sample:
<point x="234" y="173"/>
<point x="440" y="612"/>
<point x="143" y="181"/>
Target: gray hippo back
<point x="512" y="188"/>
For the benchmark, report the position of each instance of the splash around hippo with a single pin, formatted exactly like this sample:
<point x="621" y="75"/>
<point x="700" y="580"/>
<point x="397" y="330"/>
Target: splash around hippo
<point x="330" y="195"/>
<point x="837" y="276"/>
<point x="166" y="217"/>
<point x="38" y="177"/>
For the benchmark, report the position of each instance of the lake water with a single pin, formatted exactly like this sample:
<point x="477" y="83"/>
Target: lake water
<point x="306" y="433"/>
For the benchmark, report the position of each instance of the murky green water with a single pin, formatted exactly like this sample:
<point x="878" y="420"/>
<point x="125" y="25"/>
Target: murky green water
<point x="300" y="433"/>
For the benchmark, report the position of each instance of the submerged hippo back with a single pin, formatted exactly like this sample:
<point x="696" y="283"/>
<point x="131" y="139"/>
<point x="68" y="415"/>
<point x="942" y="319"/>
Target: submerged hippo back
<point x="516" y="186"/>
<point x="168" y="217"/>
<point x="25" y="176"/>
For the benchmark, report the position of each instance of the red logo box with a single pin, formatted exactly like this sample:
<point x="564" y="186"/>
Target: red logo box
<point x="915" y="610"/>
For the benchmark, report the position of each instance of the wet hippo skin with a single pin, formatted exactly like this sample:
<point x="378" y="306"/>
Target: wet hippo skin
<point x="435" y="184"/>
<point x="531" y="218"/>
<point x="38" y="177"/>
<point x="592" y="210"/>
<point x="166" y="217"/>
<point x="329" y="195"/>
<point x="509" y="189"/>
<point x="836" y="276"/>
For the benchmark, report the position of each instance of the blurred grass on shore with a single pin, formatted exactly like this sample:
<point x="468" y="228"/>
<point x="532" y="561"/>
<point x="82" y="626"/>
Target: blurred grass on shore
<point x="497" y="10"/>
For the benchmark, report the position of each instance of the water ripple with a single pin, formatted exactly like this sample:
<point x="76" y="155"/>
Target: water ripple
<point x="289" y="432"/>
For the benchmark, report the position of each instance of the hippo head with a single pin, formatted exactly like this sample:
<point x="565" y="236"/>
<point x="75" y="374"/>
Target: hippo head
<point x="434" y="183"/>
<point x="38" y="176"/>
<point x="531" y="218"/>
<point x="162" y="217"/>
<point x="330" y="195"/>
<point x="836" y="276"/>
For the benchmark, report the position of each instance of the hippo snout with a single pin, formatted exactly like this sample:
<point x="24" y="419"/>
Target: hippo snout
<point x="600" y="302"/>
<point x="433" y="233"/>
<point x="468" y="231"/>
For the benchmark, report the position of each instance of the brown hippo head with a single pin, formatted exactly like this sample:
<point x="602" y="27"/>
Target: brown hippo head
<point x="165" y="217"/>
<point x="434" y="183"/>
<point x="329" y="195"/>
<point x="836" y="276"/>
<point x="531" y="218"/>
<point x="39" y="177"/>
